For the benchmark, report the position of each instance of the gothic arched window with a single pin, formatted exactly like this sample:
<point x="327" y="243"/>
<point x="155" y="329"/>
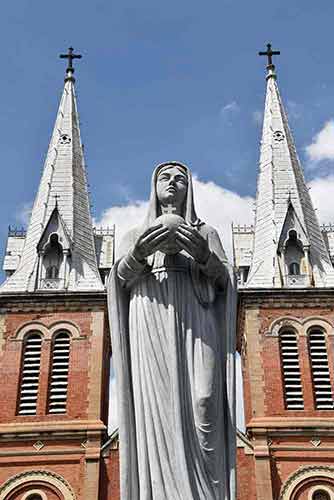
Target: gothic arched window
<point x="293" y="392"/>
<point x="322" y="389"/>
<point x="59" y="373"/>
<point x="30" y="369"/>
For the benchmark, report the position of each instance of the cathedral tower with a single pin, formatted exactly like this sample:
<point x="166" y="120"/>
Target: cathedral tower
<point x="54" y="338"/>
<point x="285" y="331"/>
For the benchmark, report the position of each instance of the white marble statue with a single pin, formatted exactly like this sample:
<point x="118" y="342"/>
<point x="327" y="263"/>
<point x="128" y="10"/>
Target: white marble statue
<point x="172" y="311"/>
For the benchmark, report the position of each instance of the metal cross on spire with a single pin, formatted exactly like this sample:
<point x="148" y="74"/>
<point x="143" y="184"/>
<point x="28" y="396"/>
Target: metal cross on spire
<point x="70" y="56"/>
<point x="270" y="53"/>
<point x="56" y="197"/>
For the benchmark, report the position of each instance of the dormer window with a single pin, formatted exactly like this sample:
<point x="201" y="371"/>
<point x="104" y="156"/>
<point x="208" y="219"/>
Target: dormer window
<point x="294" y="261"/>
<point x="53" y="264"/>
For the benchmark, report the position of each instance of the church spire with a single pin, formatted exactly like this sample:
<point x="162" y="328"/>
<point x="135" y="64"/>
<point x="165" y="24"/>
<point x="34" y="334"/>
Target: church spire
<point x="289" y="249"/>
<point x="59" y="251"/>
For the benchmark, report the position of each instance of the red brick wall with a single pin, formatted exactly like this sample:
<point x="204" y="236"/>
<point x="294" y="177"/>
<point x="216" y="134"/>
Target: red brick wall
<point x="10" y="364"/>
<point x="70" y="468"/>
<point x="246" y="487"/>
<point x="110" y="477"/>
<point x="289" y="448"/>
<point x="65" y="448"/>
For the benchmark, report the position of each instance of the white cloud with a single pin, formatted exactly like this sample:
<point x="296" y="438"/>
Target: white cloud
<point x="322" y="147"/>
<point x="322" y="193"/>
<point x="217" y="206"/>
<point x="231" y="107"/>
<point x="257" y="117"/>
<point x="24" y="213"/>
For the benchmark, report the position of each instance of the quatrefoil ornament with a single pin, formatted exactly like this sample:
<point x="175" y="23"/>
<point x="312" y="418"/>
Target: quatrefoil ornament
<point x="278" y="135"/>
<point x="64" y="139"/>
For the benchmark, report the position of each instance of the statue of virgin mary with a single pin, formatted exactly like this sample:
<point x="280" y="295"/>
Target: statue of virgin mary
<point x="172" y="307"/>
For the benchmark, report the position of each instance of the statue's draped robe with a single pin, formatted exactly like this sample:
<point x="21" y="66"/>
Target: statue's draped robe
<point x="172" y="324"/>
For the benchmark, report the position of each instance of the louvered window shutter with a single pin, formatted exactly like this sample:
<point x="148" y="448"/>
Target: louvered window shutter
<point x="293" y="391"/>
<point x="28" y="395"/>
<point x="59" y="373"/>
<point x="323" y="395"/>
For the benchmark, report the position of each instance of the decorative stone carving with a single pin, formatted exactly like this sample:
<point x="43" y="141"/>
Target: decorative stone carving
<point x="64" y="139"/>
<point x="315" y="442"/>
<point x="278" y="135"/>
<point x="302" y="474"/>
<point x="40" y="476"/>
<point x="38" y="445"/>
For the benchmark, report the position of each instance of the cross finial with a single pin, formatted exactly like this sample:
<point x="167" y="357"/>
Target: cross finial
<point x="70" y="56"/>
<point x="270" y="53"/>
<point x="56" y="197"/>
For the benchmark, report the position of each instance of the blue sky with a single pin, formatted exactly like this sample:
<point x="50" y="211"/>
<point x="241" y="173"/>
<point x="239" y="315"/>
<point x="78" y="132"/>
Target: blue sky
<point x="158" y="81"/>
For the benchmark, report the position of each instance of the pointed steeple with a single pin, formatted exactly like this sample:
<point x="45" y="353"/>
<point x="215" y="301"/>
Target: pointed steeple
<point x="60" y="224"/>
<point x="284" y="205"/>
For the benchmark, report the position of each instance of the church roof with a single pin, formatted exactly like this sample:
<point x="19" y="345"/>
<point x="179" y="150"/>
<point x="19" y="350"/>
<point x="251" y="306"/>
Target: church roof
<point x="281" y="186"/>
<point x="63" y="183"/>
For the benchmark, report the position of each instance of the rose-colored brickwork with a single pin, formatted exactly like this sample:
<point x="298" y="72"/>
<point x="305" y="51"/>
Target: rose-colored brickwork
<point x="284" y="441"/>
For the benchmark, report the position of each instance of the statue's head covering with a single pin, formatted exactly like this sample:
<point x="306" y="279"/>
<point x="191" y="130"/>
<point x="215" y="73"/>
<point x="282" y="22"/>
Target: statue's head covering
<point x="154" y="211"/>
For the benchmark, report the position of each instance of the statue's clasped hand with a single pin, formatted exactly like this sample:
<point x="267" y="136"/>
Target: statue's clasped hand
<point x="193" y="242"/>
<point x="150" y="241"/>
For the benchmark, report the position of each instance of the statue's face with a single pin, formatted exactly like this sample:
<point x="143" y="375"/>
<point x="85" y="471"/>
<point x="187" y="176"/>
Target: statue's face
<point x="172" y="185"/>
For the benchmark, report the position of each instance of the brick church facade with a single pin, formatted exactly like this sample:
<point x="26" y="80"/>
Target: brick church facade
<point x="55" y="345"/>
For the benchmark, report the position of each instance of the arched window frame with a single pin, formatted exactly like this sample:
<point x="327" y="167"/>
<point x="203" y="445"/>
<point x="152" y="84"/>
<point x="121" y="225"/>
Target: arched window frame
<point x="320" y="365"/>
<point x="290" y="369"/>
<point x="57" y="401"/>
<point x="323" y="490"/>
<point x="35" y="494"/>
<point x="29" y="381"/>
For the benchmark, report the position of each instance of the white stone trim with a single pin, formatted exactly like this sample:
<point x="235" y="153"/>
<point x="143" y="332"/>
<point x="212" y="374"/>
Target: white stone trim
<point x="31" y="326"/>
<point x="300" y="326"/>
<point x="284" y="322"/>
<point x="321" y="487"/>
<point x="47" y="332"/>
<point x="302" y="474"/>
<point x="35" y="492"/>
<point x="44" y="476"/>
<point x="69" y="326"/>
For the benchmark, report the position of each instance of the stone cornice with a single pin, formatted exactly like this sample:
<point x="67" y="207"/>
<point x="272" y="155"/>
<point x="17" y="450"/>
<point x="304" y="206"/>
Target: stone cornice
<point x="62" y="426"/>
<point x="40" y="301"/>
<point x="291" y="425"/>
<point x="268" y="296"/>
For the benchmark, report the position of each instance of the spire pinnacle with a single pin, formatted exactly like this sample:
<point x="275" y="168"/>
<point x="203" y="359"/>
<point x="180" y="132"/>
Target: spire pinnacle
<point x="270" y="66"/>
<point x="70" y="56"/>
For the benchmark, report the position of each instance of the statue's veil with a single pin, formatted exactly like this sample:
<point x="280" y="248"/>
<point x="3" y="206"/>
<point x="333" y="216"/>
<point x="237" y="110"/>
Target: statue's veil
<point x="153" y="211"/>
